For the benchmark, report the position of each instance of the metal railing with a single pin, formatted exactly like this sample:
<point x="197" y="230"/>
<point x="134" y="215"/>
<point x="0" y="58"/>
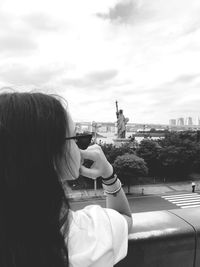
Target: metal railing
<point x="164" y="239"/>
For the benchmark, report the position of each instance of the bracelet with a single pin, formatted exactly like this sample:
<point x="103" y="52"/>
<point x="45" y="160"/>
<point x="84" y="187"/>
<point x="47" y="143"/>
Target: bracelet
<point x="110" y="180"/>
<point x="114" y="188"/>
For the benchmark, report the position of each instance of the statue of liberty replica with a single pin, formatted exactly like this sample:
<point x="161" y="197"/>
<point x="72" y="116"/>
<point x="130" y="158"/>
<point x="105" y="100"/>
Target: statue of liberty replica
<point x="121" y="122"/>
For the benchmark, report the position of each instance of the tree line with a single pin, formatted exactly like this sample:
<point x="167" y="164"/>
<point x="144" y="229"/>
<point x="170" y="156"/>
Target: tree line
<point x="171" y="158"/>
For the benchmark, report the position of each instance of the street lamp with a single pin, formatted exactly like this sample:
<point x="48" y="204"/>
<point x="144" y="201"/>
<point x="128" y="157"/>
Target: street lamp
<point x="95" y="126"/>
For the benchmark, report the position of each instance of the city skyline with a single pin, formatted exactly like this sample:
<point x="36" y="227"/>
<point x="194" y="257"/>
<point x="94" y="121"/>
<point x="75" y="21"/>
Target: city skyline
<point x="185" y="121"/>
<point x="144" y="54"/>
<point x="172" y="121"/>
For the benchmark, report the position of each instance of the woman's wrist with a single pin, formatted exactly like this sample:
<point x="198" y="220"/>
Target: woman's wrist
<point x="112" y="188"/>
<point x="111" y="184"/>
<point x="111" y="179"/>
<point x="108" y="172"/>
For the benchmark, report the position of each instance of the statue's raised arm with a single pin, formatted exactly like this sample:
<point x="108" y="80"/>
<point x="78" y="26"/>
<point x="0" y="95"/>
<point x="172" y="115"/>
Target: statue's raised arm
<point x="117" y="111"/>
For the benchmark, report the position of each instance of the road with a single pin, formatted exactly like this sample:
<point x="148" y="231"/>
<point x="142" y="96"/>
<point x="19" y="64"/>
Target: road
<point x="150" y="203"/>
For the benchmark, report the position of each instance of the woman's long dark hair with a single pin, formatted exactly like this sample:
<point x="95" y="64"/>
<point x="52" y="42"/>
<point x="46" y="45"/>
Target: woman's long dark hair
<point x="32" y="132"/>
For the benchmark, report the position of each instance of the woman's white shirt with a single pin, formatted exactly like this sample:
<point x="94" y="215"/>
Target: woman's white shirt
<point x="97" y="237"/>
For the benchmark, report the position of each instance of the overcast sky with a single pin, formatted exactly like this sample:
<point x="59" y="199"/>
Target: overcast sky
<point x="143" y="53"/>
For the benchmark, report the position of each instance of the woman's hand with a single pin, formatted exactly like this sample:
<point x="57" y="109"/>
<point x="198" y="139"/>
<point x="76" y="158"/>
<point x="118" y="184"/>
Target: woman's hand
<point x="100" y="167"/>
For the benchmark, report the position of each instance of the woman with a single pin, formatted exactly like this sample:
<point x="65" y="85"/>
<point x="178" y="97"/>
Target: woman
<point x="39" y="149"/>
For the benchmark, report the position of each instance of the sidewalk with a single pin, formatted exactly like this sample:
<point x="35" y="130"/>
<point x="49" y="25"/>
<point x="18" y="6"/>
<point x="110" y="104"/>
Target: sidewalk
<point x="136" y="190"/>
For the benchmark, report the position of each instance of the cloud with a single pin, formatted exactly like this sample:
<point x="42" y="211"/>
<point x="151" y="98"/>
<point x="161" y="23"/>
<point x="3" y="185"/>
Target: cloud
<point x="186" y="78"/>
<point x="15" y="38"/>
<point x="144" y="51"/>
<point x="122" y="12"/>
<point x="18" y="74"/>
<point x="102" y="76"/>
<point x="169" y="18"/>
<point x="41" y="22"/>
<point x="175" y="98"/>
<point x="17" y="43"/>
<point x="191" y="28"/>
<point x="191" y="106"/>
<point x="182" y="79"/>
<point x="19" y="35"/>
<point x="93" y="79"/>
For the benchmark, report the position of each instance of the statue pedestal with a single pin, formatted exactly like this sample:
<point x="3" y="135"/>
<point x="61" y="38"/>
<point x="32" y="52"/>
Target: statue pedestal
<point x="120" y="141"/>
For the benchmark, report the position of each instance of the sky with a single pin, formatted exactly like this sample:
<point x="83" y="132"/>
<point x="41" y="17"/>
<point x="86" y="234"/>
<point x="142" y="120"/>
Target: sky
<point x="144" y="54"/>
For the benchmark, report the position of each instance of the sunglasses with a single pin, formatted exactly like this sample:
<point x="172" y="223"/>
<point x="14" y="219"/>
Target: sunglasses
<point x="82" y="140"/>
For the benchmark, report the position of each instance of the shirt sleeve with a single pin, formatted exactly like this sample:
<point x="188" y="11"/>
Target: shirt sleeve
<point x="98" y="237"/>
<point x="119" y="228"/>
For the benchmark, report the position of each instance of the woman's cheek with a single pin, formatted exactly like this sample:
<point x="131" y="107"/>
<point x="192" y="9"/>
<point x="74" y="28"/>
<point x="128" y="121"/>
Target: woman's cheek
<point x="76" y="161"/>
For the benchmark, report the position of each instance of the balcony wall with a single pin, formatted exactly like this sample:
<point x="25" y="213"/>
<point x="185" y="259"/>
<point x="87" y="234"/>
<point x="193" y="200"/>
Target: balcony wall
<point x="164" y="239"/>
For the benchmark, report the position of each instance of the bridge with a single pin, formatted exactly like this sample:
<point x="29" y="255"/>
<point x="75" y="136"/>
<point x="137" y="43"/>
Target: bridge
<point x="168" y="238"/>
<point x="148" y="134"/>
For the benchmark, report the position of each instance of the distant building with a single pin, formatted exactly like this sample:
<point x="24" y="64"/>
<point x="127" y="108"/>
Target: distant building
<point x="81" y="127"/>
<point x="103" y="129"/>
<point x="180" y="121"/>
<point x="172" y="122"/>
<point x="188" y="121"/>
<point x="111" y="127"/>
<point x="198" y="121"/>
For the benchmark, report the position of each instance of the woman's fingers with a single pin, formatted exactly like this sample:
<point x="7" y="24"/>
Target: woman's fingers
<point x="92" y="153"/>
<point x="88" y="155"/>
<point x="90" y="173"/>
<point x="100" y="166"/>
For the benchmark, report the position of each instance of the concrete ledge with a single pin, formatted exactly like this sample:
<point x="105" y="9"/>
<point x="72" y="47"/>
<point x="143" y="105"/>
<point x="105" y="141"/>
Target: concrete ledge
<point x="192" y="216"/>
<point x="164" y="239"/>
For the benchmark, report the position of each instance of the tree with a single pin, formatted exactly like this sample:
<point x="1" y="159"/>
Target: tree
<point x="178" y="138"/>
<point x="196" y="161"/>
<point x="149" y="150"/>
<point x="112" y="152"/>
<point x="152" y="130"/>
<point x="178" y="153"/>
<point x="129" y="166"/>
